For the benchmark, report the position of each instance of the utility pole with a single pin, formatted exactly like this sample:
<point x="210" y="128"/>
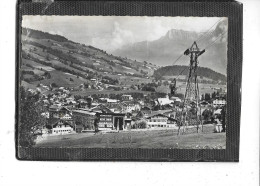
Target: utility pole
<point x="191" y="113"/>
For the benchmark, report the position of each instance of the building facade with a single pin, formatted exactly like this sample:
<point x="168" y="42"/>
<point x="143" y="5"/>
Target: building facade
<point x="160" y="121"/>
<point x="112" y="121"/>
<point x="219" y="102"/>
<point x="62" y="127"/>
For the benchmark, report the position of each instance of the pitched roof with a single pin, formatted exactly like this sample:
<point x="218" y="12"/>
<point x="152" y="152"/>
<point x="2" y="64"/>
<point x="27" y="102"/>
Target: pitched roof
<point x="84" y="112"/>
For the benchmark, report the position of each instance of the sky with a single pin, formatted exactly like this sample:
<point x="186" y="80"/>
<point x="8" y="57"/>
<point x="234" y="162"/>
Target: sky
<point x="112" y="32"/>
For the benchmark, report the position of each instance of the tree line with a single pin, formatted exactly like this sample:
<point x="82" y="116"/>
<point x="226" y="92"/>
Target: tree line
<point x="176" y="69"/>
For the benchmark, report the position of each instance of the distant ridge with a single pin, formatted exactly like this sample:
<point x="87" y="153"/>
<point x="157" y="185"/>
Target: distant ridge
<point x="36" y="34"/>
<point x="166" y="49"/>
<point x="201" y="71"/>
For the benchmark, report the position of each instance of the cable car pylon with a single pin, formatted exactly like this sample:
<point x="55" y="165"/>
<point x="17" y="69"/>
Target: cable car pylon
<point x="191" y="113"/>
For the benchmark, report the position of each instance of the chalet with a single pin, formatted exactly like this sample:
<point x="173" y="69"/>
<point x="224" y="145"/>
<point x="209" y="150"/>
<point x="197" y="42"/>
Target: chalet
<point x="62" y="127"/>
<point x="66" y="117"/>
<point x="219" y="102"/>
<point x="58" y="112"/>
<point x="160" y="121"/>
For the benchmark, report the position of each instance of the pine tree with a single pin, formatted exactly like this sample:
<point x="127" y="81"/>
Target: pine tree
<point x="30" y="118"/>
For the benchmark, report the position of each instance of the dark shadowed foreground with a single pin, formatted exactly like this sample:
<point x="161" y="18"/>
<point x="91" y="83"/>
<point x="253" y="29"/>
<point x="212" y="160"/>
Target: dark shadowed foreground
<point x="140" y="139"/>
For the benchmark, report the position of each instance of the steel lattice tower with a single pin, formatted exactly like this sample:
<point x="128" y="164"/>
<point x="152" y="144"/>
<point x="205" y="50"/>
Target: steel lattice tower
<point x="190" y="114"/>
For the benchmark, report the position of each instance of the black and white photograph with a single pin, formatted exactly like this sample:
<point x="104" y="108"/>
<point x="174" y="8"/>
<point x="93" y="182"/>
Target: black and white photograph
<point x="129" y="92"/>
<point x="123" y="82"/>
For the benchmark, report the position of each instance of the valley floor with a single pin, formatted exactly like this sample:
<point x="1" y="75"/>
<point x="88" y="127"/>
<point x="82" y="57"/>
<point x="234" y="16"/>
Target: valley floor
<point x="139" y="139"/>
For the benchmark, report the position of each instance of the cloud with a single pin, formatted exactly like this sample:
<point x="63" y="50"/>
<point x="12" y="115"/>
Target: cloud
<point x="116" y="39"/>
<point x="112" y="32"/>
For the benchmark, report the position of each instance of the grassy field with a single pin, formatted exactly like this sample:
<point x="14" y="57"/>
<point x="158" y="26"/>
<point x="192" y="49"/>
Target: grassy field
<point x="62" y="79"/>
<point x="140" y="139"/>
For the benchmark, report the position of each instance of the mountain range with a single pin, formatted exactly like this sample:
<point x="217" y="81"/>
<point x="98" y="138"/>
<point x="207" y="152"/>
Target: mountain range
<point x="53" y="59"/>
<point x="165" y="50"/>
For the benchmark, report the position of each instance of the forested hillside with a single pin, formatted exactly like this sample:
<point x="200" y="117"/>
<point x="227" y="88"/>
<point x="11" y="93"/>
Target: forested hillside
<point x="177" y="69"/>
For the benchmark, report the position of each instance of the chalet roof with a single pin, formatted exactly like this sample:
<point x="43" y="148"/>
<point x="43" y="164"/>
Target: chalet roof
<point x="86" y="112"/>
<point x="131" y="103"/>
<point x="112" y="113"/>
<point x="101" y="109"/>
<point x="152" y="115"/>
<point x="155" y="114"/>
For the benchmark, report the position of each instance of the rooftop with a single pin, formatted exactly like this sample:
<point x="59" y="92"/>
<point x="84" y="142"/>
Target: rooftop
<point x="84" y="112"/>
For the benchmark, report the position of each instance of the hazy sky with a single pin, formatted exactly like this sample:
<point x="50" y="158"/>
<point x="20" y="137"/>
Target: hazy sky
<point x="112" y="32"/>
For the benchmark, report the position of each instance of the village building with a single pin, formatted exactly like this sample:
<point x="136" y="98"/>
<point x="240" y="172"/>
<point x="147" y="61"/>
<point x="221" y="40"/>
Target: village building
<point x="165" y="101"/>
<point x="56" y="111"/>
<point x="66" y="117"/>
<point x="219" y="102"/>
<point x="130" y="106"/>
<point x="160" y="121"/>
<point x="62" y="127"/>
<point x="113" y="121"/>
<point x="105" y="121"/>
